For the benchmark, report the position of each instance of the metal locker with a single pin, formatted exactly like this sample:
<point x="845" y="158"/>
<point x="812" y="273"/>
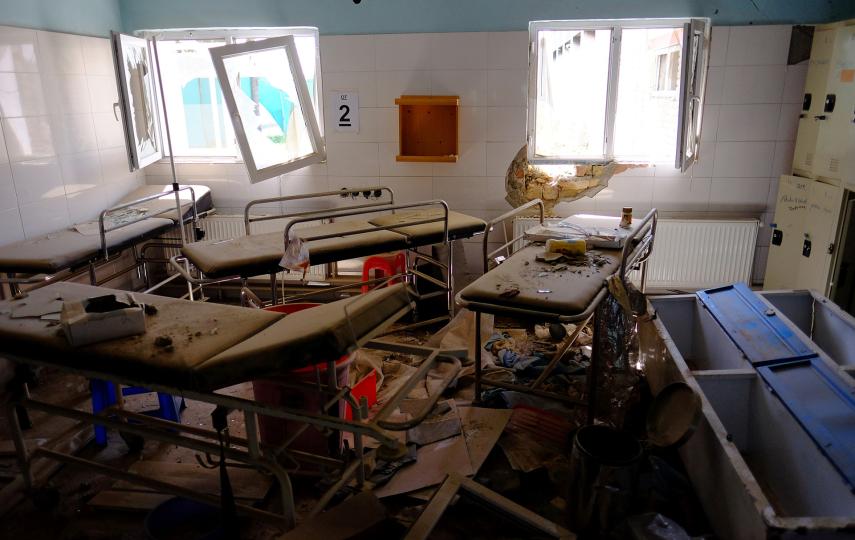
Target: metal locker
<point x="834" y="138"/>
<point x="819" y="234"/>
<point x="813" y="103"/>
<point x="785" y="248"/>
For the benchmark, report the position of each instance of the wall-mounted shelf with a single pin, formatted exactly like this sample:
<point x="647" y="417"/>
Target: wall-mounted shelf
<point x="428" y="128"/>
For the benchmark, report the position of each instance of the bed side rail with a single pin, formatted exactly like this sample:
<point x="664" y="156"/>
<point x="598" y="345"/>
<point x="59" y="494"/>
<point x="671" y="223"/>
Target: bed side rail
<point x="248" y="219"/>
<point x="500" y="221"/>
<point x="638" y="245"/>
<point x="363" y="211"/>
<point x="103" y="229"/>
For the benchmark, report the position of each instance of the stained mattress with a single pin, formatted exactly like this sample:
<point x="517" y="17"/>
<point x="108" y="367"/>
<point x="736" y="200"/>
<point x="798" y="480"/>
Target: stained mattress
<point x="565" y="289"/>
<point x="68" y="248"/>
<point x="212" y="346"/>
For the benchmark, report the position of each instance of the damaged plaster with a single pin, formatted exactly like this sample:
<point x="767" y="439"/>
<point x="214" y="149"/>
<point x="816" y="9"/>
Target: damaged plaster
<point x="525" y="182"/>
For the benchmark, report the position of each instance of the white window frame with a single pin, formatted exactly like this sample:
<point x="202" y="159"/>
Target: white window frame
<point x="230" y="35"/>
<point x="318" y="154"/>
<point x="136" y="159"/>
<point x="695" y="53"/>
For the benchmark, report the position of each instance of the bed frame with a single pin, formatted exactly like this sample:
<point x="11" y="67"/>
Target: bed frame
<point x="106" y="252"/>
<point x="636" y="250"/>
<point x="411" y="275"/>
<point x="280" y="462"/>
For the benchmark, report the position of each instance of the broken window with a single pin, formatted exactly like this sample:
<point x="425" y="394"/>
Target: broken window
<point x="270" y="105"/>
<point x="199" y="120"/>
<point x="624" y="90"/>
<point x="136" y="79"/>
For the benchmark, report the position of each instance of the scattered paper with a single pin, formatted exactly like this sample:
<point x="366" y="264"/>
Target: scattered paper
<point x="482" y="429"/>
<point x="35" y="307"/>
<point x="433" y="463"/>
<point x="347" y="520"/>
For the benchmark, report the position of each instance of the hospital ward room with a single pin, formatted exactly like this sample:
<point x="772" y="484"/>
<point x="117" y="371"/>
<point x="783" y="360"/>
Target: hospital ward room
<point x="427" y="269"/>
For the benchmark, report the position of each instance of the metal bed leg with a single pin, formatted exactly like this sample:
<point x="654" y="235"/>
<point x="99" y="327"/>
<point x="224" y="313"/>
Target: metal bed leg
<point x="20" y="445"/>
<point x="14" y="288"/>
<point x="273" y="301"/>
<point x="643" y="287"/>
<point x="477" y="400"/>
<point x="449" y="282"/>
<point x="243" y="283"/>
<point x="288" y="508"/>
<point x="189" y="285"/>
<point x="92" y="280"/>
<point x="596" y="352"/>
<point x="358" y="446"/>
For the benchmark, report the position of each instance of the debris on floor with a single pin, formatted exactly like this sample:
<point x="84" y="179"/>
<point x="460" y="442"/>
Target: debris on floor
<point x="516" y="444"/>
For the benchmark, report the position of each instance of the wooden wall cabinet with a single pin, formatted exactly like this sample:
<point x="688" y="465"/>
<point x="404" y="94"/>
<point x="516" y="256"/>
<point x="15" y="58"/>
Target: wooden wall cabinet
<point x="428" y="128"/>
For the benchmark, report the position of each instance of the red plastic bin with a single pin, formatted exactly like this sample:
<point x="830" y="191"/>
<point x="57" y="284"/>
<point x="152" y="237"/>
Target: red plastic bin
<point x="274" y="431"/>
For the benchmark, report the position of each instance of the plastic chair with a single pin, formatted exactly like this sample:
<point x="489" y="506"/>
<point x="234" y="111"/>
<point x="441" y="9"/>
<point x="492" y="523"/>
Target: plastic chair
<point x="103" y="396"/>
<point x="383" y="266"/>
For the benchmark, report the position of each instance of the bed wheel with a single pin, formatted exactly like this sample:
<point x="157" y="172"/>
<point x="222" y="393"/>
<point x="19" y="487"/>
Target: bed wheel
<point x="135" y="442"/>
<point x="45" y="498"/>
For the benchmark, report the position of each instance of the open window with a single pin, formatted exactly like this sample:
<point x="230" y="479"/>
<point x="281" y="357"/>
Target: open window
<point x="692" y="85"/>
<point x="616" y="90"/>
<point x="135" y="76"/>
<point x="177" y="62"/>
<point x="270" y="106"/>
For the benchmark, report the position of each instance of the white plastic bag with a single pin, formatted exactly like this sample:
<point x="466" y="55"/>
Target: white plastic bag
<point x="296" y="255"/>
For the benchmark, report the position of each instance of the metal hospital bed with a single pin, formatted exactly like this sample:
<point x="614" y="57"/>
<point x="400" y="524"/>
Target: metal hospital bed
<point x="215" y="346"/>
<point x="67" y="253"/>
<point x="543" y="292"/>
<point x="375" y="227"/>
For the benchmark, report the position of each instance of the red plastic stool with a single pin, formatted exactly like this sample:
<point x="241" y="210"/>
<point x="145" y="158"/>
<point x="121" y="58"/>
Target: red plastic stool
<point x="385" y="266"/>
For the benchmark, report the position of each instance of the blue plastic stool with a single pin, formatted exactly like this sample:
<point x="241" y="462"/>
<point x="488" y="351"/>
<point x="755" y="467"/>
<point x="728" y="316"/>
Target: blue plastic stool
<point x="104" y="395"/>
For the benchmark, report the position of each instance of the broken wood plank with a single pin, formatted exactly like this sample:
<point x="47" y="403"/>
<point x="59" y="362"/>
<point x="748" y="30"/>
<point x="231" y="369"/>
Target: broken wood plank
<point x="482" y="428"/>
<point x="353" y="516"/>
<point x="128" y="500"/>
<point x="246" y="483"/>
<point x="7" y="448"/>
<point x="433" y="463"/>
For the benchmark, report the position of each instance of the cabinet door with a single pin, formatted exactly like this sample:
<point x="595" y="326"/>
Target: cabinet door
<point x="833" y="139"/>
<point x="820" y="232"/>
<point x="785" y="250"/>
<point x="843" y="284"/>
<point x="814" y="100"/>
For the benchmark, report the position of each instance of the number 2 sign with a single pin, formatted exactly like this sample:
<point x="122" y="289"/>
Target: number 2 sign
<point x="345" y="111"/>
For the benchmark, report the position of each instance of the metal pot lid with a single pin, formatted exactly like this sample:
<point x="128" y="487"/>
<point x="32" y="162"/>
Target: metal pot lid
<point x="673" y="416"/>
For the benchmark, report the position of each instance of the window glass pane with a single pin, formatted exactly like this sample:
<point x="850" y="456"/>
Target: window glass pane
<point x="307" y="52"/>
<point x="270" y="111"/>
<point x="572" y="83"/>
<point x="648" y="94"/>
<point x="198" y="119"/>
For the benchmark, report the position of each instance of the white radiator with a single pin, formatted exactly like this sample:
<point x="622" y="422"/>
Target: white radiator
<point x="693" y="253"/>
<point x="224" y="227"/>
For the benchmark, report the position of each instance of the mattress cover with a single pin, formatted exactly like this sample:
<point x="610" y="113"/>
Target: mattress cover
<point x="69" y="248"/>
<point x="565" y="288"/>
<point x="256" y="254"/>
<point x="198" y="345"/>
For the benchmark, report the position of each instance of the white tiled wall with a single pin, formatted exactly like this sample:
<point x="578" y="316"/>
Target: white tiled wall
<point x="62" y="152"/>
<point x="752" y="108"/>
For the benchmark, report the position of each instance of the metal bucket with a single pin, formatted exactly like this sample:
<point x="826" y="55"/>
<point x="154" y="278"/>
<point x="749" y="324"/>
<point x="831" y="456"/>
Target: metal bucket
<point x="604" y="465"/>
